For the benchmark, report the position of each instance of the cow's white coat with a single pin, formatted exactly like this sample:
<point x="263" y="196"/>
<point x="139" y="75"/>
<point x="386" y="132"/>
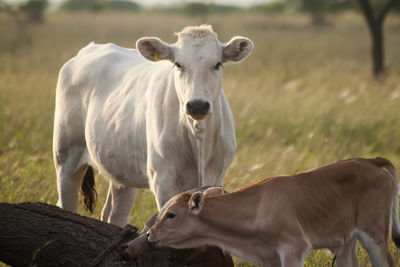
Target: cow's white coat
<point x="126" y="116"/>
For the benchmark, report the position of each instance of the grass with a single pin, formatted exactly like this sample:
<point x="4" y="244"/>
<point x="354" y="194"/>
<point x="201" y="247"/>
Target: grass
<point x="304" y="98"/>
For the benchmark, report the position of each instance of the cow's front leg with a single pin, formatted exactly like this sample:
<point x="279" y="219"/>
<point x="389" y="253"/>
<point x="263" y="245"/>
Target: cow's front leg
<point x="121" y="199"/>
<point x="164" y="185"/>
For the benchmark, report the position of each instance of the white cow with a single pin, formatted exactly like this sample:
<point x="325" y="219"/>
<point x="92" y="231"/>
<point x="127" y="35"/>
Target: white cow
<point x="156" y="116"/>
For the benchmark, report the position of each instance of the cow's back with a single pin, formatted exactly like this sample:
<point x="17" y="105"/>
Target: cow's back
<point x="101" y="102"/>
<point x="96" y="65"/>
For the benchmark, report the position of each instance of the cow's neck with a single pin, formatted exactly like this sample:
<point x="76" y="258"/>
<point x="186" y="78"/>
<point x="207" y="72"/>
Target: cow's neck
<point x="227" y="222"/>
<point x="200" y="134"/>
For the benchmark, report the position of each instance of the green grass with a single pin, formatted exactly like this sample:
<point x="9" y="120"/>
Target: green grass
<point x="304" y="98"/>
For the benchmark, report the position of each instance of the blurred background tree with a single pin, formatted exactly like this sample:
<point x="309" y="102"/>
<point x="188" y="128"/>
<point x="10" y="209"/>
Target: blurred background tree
<point x="34" y="10"/>
<point x="203" y="10"/>
<point x="7" y="8"/>
<point x="375" y="12"/>
<point x="17" y="33"/>
<point x="100" y="5"/>
<point x="196" y="8"/>
<point x="278" y="6"/>
<point x="88" y="5"/>
<point x="121" y="5"/>
<point x="318" y="9"/>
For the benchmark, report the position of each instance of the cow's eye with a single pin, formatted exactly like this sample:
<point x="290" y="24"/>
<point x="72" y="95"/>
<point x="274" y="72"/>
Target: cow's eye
<point x="170" y="215"/>
<point x="178" y="66"/>
<point x="218" y="66"/>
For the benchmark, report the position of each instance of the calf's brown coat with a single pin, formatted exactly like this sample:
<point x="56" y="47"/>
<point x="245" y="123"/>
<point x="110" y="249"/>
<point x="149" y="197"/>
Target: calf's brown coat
<point x="282" y="218"/>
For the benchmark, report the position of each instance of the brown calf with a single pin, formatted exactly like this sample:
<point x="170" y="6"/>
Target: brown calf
<point x="329" y="207"/>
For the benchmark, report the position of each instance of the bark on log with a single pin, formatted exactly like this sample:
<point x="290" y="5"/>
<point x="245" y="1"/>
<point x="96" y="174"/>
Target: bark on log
<point x="37" y="234"/>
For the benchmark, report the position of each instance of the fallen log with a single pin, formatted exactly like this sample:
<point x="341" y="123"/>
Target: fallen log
<point x="37" y="234"/>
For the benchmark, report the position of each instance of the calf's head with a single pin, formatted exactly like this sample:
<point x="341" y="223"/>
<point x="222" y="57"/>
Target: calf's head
<point x="178" y="224"/>
<point x="197" y="59"/>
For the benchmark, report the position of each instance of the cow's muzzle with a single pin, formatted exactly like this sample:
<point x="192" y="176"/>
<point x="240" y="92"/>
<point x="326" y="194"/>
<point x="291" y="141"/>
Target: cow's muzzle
<point x="198" y="109"/>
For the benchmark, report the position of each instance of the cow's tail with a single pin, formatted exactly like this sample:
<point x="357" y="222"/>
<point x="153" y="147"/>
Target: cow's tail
<point x="395" y="198"/>
<point x="88" y="191"/>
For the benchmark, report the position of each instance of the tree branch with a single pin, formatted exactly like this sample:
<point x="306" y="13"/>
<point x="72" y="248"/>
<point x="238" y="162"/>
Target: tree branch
<point x="385" y="10"/>
<point x="368" y="14"/>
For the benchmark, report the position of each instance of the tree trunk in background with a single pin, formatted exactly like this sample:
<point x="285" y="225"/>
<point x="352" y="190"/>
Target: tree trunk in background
<point x="378" y="49"/>
<point x="319" y="19"/>
<point x="375" y="22"/>
<point x="37" y="234"/>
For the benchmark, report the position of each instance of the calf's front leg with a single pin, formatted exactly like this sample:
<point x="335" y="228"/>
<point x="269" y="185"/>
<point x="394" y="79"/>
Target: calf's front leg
<point x="292" y="255"/>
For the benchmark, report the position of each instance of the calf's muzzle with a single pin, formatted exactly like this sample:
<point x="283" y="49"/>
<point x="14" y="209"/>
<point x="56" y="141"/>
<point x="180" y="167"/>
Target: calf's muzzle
<point x="137" y="247"/>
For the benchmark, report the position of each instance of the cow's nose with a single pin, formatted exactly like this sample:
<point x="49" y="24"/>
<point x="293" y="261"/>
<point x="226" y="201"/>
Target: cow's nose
<point x="197" y="107"/>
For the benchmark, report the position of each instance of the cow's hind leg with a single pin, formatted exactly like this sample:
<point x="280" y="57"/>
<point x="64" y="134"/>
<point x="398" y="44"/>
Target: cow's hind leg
<point x="70" y="168"/>
<point x="105" y="213"/>
<point x="121" y="200"/>
<point x="346" y="256"/>
<point x="377" y="249"/>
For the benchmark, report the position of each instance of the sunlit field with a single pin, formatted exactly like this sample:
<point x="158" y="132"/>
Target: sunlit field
<point x="304" y="98"/>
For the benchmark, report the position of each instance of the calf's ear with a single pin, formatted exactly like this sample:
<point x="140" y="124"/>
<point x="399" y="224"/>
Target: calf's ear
<point x="154" y="49"/>
<point x="237" y="49"/>
<point x="196" y="203"/>
<point x="213" y="191"/>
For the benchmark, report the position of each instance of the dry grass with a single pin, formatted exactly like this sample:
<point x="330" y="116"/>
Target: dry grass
<point x="304" y="98"/>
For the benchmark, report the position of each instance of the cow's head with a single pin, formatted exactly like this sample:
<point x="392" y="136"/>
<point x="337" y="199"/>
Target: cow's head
<point x="178" y="224"/>
<point x="197" y="59"/>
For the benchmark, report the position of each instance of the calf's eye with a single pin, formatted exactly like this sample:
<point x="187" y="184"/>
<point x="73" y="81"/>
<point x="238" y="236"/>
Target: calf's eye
<point x="170" y="215"/>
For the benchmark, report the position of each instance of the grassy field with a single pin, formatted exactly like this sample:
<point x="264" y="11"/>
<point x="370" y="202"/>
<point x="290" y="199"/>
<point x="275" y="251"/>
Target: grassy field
<point x="304" y="98"/>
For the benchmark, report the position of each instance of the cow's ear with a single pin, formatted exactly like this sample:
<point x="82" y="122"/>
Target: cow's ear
<point x="154" y="49"/>
<point x="196" y="203"/>
<point x="213" y="191"/>
<point x="237" y="49"/>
